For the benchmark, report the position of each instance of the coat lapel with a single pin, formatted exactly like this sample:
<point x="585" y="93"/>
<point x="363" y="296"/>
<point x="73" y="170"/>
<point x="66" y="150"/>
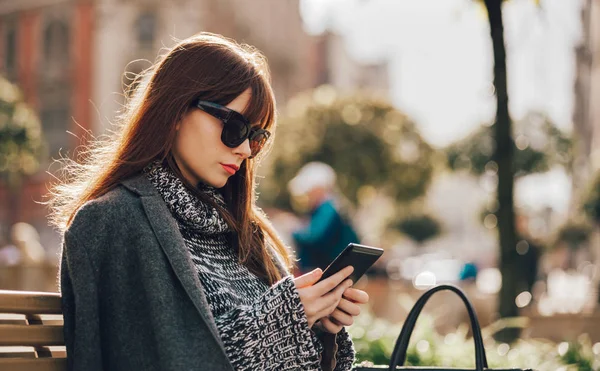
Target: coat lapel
<point x="167" y="232"/>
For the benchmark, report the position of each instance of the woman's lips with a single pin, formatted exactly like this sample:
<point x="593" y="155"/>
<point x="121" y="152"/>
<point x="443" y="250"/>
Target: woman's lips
<point x="229" y="168"/>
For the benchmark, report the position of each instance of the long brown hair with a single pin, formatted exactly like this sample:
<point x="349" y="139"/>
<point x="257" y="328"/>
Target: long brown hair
<point x="208" y="67"/>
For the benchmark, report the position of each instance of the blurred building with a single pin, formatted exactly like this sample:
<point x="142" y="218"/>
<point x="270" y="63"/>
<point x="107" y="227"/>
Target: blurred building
<point x="586" y="118"/>
<point x="275" y="27"/>
<point x="74" y="58"/>
<point x="592" y="22"/>
<point x="45" y="49"/>
<point x="337" y="67"/>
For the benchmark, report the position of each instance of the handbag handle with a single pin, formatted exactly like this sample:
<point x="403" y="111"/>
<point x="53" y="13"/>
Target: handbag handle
<point x="399" y="353"/>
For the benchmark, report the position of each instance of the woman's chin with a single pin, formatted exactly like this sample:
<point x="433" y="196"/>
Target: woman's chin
<point x="218" y="183"/>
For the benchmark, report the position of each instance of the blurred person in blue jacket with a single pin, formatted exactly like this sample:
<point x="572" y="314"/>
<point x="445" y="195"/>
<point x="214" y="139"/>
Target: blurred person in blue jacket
<point x="329" y="230"/>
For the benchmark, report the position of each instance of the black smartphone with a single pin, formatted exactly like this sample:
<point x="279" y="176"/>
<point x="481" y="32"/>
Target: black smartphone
<point x="361" y="257"/>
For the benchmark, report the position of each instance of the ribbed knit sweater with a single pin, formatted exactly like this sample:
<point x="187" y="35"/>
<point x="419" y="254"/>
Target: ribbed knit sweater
<point x="262" y="327"/>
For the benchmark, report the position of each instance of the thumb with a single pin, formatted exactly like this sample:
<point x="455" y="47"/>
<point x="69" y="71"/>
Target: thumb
<point x="309" y="278"/>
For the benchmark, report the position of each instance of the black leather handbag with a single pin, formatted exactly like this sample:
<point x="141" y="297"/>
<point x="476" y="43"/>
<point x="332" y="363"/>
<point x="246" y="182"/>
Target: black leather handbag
<point x="399" y="354"/>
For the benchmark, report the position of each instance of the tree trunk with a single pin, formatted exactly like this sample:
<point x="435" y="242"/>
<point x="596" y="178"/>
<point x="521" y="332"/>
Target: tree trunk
<point x="504" y="157"/>
<point x="582" y="127"/>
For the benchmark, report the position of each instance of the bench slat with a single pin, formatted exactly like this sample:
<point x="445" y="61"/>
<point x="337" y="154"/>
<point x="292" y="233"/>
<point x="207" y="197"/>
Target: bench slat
<point x="55" y="351"/>
<point x="31" y="331"/>
<point x="12" y="319"/>
<point x="38" y="364"/>
<point x="22" y="319"/>
<point x="30" y="302"/>
<point x="33" y="335"/>
<point x="17" y="352"/>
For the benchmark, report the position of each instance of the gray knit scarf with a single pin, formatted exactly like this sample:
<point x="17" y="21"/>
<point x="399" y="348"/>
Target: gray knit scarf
<point x="191" y="213"/>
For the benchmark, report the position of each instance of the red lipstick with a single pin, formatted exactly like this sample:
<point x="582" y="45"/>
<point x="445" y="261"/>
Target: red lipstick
<point x="230" y="168"/>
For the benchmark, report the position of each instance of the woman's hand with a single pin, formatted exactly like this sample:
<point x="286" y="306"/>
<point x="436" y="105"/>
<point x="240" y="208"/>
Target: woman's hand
<point x="321" y="299"/>
<point x="346" y="310"/>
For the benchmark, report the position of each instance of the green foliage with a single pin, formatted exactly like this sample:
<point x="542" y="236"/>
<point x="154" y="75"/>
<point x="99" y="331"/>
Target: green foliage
<point x="21" y="144"/>
<point x="419" y="228"/>
<point x="366" y="140"/>
<point x="579" y="354"/>
<point x="374" y="340"/>
<point x="538" y="146"/>
<point x="591" y="204"/>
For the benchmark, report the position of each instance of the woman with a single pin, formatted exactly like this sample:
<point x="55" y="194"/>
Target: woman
<point x="167" y="263"/>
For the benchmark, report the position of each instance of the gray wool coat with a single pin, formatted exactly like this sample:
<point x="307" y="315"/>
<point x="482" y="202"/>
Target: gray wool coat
<point x="131" y="297"/>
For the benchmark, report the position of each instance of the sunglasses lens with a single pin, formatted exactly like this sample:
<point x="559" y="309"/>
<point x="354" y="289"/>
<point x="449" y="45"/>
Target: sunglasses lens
<point x="257" y="143"/>
<point x="234" y="133"/>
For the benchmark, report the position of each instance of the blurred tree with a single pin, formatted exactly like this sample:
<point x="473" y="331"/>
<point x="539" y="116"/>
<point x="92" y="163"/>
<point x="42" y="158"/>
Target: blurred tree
<point x="539" y="145"/>
<point x="21" y="143"/>
<point x="503" y="156"/>
<point x="591" y="207"/>
<point x="419" y="228"/>
<point x="369" y="143"/>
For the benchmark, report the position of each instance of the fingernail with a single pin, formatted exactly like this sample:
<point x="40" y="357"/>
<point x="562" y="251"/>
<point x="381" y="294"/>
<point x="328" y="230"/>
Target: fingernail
<point x="350" y="283"/>
<point x="317" y="271"/>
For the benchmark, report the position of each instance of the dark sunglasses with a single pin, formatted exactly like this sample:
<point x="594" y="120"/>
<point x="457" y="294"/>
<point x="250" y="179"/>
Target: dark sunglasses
<point x="236" y="128"/>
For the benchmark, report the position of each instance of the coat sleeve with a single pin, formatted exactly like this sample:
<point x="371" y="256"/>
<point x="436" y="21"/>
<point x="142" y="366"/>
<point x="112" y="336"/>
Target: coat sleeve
<point x="78" y="285"/>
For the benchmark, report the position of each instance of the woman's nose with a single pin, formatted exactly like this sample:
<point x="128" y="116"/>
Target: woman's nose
<point x="243" y="150"/>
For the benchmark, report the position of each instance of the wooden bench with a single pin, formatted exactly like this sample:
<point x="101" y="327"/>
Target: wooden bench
<point x="31" y="332"/>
